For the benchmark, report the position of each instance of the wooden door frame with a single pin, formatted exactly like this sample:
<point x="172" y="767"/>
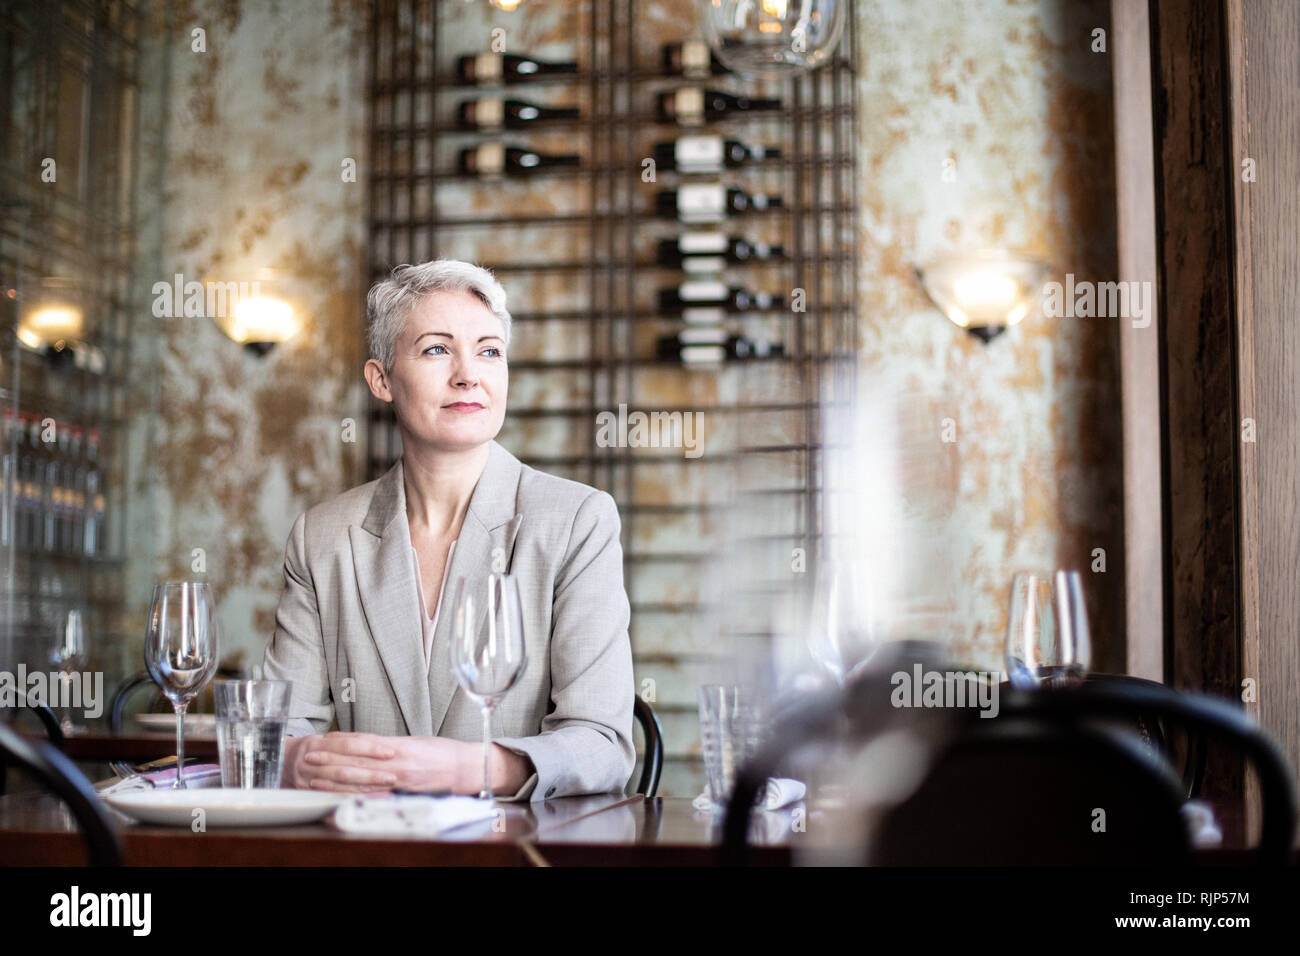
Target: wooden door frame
<point x="1211" y="550"/>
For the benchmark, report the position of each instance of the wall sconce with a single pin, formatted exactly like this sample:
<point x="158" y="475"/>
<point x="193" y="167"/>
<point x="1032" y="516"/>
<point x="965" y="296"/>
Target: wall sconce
<point x="985" y="292"/>
<point x="257" y="320"/>
<point x="262" y="323"/>
<point x="54" y="320"/>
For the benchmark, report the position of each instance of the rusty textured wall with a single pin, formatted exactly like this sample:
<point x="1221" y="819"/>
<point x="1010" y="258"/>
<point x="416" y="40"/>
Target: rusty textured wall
<point x="1013" y="95"/>
<point x="246" y="141"/>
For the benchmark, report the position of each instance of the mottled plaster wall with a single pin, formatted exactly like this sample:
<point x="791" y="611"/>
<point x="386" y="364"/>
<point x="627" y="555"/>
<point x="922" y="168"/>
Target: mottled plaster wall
<point x="1011" y="92"/>
<point x="245" y="143"/>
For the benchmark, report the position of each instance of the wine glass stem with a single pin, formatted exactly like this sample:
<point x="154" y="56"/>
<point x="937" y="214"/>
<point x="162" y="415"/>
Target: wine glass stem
<point x="179" y="782"/>
<point x="486" y="793"/>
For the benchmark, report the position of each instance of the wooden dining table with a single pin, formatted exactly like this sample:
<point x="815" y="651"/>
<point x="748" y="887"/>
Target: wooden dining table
<point x="596" y="830"/>
<point x="135" y="747"/>
<point x="603" y="829"/>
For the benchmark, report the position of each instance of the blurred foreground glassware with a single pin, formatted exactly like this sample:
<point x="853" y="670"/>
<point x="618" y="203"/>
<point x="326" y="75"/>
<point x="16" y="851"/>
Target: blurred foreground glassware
<point x="487" y="648"/>
<point x="1048" y="641"/>
<point x="252" y="716"/>
<point x="180" y="649"/>
<point x="844" y="626"/>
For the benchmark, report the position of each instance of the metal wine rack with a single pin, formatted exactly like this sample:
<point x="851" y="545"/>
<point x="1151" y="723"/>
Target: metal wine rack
<point x="68" y="84"/>
<point x="590" y="298"/>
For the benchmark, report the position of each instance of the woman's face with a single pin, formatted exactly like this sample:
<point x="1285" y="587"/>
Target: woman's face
<point x="449" y="377"/>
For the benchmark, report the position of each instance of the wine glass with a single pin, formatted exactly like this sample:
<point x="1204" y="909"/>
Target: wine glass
<point x="1047" y="630"/>
<point x="180" y="649"/>
<point x="487" y="648"/>
<point x="69" y="656"/>
<point x="845" y="624"/>
<point x="1073" y="637"/>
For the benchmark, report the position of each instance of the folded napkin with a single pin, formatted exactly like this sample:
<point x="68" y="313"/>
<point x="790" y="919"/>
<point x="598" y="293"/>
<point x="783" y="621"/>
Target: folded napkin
<point x="1201" y="825"/>
<point x="779" y="792"/>
<point x="197" y="776"/>
<point x="409" y="815"/>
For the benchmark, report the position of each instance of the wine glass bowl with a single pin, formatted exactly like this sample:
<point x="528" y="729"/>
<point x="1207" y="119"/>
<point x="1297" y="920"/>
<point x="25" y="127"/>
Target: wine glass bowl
<point x="68" y="657"/>
<point x="487" y="649"/>
<point x="180" y="649"/>
<point x="1047" y="630"/>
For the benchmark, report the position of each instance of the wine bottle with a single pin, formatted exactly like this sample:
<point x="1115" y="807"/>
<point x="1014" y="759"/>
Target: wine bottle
<point x="709" y="202"/>
<point x="713" y="346"/>
<point x="489" y="68"/>
<point x="494" y="113"/>
<point x="705" y="293"/>
<point x="707" y="154"/>
<point x="496" y="159"/>
<point x="693" y="105"/>
<point x="93" y="542"/>
<point x="692" y="58"/>
<point x="711" y="251"/>
<point x="669" y="346"/>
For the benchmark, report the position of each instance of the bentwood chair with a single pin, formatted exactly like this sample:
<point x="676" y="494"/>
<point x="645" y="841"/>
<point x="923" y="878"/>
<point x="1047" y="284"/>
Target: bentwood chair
<point x="48" y="720"/>
<point x="1025" y="786"/>
<point x="132" y="684"/>
<point x="60" y="776"/>
<point x="1162" y="733"/>
<point x="652" y="761"/>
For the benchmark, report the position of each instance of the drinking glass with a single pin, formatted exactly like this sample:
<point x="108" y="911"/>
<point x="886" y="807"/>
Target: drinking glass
<point x="731" y="727"/>
<point x="825" y="628"/>
<point x="252" y="716"/>
<point x="180" y="649"/>
<point x="487" y="648"/>
<point x="1047" y="630"/>
<point x="69" y="657"/>
<point x="1073" y="637"/>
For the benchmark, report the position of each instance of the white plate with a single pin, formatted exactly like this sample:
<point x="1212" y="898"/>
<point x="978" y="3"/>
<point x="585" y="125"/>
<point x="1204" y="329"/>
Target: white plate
<point x="226" y="808"/>
<point x="199" y="723"/>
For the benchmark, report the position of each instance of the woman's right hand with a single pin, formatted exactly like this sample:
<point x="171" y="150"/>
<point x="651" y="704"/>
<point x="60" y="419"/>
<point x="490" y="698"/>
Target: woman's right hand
<point x="350" y="767"/>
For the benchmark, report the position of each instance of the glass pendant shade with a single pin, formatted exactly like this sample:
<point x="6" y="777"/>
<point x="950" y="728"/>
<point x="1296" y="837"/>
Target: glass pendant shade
<point x="773" y="37"/>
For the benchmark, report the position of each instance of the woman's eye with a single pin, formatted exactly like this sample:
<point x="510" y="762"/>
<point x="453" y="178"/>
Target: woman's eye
<point x="495" y="352"/>
<point x="432" y="347"/>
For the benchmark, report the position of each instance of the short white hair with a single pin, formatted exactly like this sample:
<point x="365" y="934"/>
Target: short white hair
<point x="390" y="301"/>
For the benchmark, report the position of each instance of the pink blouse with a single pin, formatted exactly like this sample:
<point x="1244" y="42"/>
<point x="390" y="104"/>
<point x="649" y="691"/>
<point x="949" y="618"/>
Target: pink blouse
<point x="430" y="624"/>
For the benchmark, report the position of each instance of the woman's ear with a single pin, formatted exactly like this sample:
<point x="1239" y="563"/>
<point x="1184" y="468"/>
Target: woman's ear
<point x="377" y="379"/>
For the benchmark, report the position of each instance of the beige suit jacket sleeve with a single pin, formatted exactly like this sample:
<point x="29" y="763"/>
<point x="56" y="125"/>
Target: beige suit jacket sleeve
<point x="585" y="744"/>
<point x="296" y="651"/>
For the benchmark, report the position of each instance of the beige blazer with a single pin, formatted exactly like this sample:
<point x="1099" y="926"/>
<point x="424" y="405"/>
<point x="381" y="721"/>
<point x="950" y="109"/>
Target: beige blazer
<point x="348" y="629"/>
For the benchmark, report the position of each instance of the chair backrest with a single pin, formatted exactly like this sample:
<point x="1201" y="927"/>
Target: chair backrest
<point x="1210" y="717"/>
<point x="1068" y="717"/>
<point x="132" y="684"/>
<point x="652" y="762"/>
<point x="53" y="731"/>
<point x="1028" y="792"/>
<point x="1163" y="732"/>
<point x="118" y="709"/>
<point x="56" y="773"/>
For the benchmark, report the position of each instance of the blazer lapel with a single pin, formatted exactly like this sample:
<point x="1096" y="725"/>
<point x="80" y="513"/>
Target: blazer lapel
<point x="381" y="554"/>
<point x="486" y="534"/>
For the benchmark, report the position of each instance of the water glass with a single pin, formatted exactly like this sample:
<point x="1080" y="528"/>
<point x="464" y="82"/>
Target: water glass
<point x="731" y="728"/>
<point x="252" y="716"/>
